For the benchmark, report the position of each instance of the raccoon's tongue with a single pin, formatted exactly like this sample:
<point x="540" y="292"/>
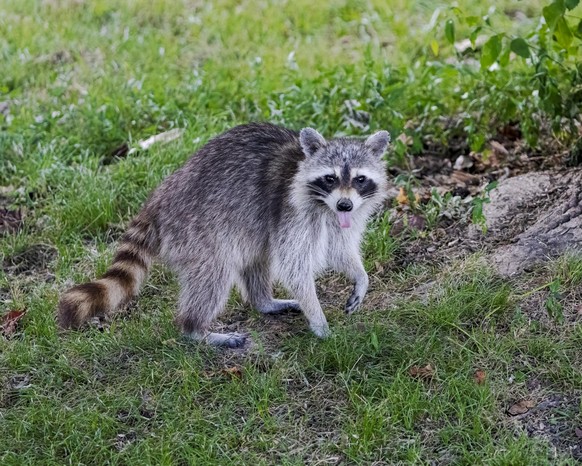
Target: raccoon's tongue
<point x="345" y="219"/>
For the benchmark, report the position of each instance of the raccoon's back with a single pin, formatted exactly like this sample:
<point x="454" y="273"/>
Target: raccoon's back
<point x="234" y="187"/>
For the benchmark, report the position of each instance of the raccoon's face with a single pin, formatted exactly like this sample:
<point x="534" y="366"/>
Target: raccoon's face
<point x="344" y="174"/>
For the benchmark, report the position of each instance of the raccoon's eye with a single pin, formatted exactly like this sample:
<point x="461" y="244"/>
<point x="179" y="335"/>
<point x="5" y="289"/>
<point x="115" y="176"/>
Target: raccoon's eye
<point x="330" y="179"/>
<point x="360" y="179"/>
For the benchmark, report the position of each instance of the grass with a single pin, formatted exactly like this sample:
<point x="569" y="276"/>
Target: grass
<point x="81" y="78"/>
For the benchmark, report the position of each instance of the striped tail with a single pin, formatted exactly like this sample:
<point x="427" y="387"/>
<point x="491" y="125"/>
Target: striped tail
<point x="120" y="283"/>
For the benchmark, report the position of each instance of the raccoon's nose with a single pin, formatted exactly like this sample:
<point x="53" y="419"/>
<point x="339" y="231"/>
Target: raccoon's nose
<point x="344" y="205"/>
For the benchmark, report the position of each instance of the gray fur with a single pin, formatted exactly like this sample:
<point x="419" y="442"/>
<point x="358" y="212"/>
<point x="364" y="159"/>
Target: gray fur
<point x="311" y="141"/>
<point x="241" y="212"/>
<point x="378" y="142"/>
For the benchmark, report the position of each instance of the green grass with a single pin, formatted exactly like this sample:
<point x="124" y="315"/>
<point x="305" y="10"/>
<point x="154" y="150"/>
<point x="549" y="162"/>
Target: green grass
<point x="81" y="78"/>
<point x="298" y="399"/>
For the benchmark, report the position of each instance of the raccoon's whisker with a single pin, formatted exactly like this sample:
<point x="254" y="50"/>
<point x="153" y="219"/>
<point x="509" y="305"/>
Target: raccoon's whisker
<point x="317" y="192"/>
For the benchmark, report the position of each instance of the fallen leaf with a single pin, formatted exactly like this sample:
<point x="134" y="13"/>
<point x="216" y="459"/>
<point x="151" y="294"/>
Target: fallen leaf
<point x="234" y="372"/>
<point x="10" y="321"/>
<point x="463" y="178"/>
<point x="402" y="198"/>
<point x="521" y="407"/>
<point x="463" y="162"/>
<point x="499" y="148"/>
<point x="426" y="372"/>
<point x="578" y="432"/>
<point x="479" y="377"/>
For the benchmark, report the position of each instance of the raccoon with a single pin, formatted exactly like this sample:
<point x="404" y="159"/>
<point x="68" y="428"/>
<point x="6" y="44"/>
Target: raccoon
<point x="257" y="204"/>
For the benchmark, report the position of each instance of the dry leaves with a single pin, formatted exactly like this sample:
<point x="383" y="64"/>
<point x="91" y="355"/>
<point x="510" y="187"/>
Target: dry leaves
<point x="10" y="322"/>
<point x="426" y="373"/>
<point x="578" y="432"/>
<point x="234" y="372"/>
<point x="463" y="162"/>
<point x="521" y="407"/>
<point x="499" y="148"/>
<point x="479" y="377"/>
<point x="403" y="199"/>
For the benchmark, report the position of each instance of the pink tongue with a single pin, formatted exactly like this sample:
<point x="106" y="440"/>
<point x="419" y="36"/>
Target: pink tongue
<point x="344" y="219"/>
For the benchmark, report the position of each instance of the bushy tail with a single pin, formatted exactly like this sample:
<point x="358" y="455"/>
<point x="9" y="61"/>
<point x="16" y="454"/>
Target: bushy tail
<point x="120" y="283"/>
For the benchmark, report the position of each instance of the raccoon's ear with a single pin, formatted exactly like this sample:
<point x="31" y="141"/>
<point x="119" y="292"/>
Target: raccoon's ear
<point x="378" y="143"/>
<point x="311" y="141"/>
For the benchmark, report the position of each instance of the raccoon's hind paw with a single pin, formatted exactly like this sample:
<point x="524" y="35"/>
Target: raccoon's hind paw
<point x="280" y="306"/>
<point x="233" y="340"/>
<point x="353" y="303"/>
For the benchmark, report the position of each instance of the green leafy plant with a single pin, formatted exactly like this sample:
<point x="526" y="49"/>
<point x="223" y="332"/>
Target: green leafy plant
<point x="477" y="215"/>
<point x="548" y="85"/>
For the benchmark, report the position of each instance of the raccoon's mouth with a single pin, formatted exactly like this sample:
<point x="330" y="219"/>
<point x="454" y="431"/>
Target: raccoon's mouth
<point x="345" y="219"/>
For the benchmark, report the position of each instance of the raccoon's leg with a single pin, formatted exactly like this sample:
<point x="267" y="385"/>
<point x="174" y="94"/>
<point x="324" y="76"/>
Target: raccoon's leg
<point x="351" y="265"/>
<point x="302" y="285"/>
<point x="258" y="289"/>
<point x="203" y="296"/>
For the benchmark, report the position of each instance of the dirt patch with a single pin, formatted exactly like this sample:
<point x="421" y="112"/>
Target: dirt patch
<point x="547" y="208"/>
<point x="11" y="219"/>
<point x="11" y="389"/>
<point x="35" y="259"/>
<point x="555" y="418"/>
<point x="533" y="183"/>
<point x="535" y="305"/>
<point x="530" y="219"/>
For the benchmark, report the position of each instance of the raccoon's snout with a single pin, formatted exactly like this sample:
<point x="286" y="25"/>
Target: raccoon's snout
<point x="344" y="205"/>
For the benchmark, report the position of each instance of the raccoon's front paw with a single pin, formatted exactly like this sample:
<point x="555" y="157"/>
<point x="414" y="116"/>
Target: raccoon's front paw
<point x="353" y="303"/>
<point x="322" y="331"/>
